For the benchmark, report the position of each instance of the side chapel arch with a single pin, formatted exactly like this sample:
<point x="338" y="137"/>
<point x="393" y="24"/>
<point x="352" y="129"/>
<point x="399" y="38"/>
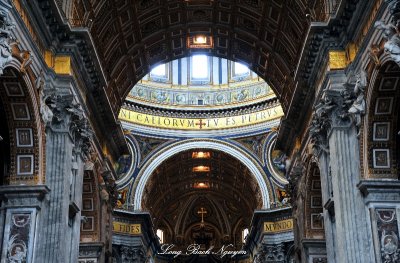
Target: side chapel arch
<point x="26" y="131"/>
<point x="381" y="138"/>
<point x="153" y="163"/>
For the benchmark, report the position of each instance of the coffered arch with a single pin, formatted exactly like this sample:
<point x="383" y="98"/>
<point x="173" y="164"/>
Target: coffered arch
<point x="133" y="36"/>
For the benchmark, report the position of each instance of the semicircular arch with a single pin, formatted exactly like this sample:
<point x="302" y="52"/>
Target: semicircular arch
<point x="150" y="166"/>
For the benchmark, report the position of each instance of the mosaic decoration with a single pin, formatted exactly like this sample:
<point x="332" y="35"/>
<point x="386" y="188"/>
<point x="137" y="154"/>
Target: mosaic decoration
<point x="383" y="127"/>
<point x="147" y="144"/>
<point x="18" y="238"/>
<point x="87" y="204"/>
<point x="25" y="164"/>
<point x="25" y="154"/>
<point x="381" y="131"/>
<point x="122" y="195"/>
<point x="24" y="137"/>
<point x="383" y="106"/>
<point x="254" y="144"/>
<point x="317" y="221"/>
<point x="381" y="158"/>
<point x="276" y="161"/>
<point x="20" y="111"/>
<point x="388" y="234"/>
<point x="14" y="89"/>
<point x="123" y="165"/>
<point x="88" y="224"/>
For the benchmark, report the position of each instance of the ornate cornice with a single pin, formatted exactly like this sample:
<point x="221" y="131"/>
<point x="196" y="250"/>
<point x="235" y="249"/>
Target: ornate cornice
<point x="176" y="113"/>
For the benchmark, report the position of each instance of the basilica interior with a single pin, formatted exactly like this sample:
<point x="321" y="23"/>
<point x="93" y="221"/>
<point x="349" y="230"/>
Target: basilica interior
<point x="183" y="131"/>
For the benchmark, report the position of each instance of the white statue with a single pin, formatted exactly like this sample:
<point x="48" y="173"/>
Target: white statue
<point x="5" y="40"/>
<point x="357" y="109"/>
<point x="392" y="34"/>
<point x="45" y="111"/>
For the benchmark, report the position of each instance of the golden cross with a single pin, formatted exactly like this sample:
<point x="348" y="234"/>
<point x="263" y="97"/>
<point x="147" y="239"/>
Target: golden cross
<point x="202" y="211"/>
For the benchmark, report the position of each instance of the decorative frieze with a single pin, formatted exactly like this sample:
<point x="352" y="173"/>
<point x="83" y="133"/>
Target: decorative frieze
<point x="19" y="235"/>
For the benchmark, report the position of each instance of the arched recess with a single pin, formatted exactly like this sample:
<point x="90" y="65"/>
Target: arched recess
<point x="381" y="142"/>
<point x="26" y="138"/>
<point x="149" y="167"/>
<point x="91" y="206"/>
<point x="313" y="206"/>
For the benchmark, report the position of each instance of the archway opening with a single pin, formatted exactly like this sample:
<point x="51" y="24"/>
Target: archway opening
<point x="383" y="137"/>
<point x="202" y="196"/>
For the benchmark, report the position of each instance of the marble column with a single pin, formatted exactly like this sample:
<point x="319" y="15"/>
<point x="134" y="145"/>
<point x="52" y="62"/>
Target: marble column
<point x="327" y="199"/>
<point x="59" y="237"/>
<point x="333" y="122"/>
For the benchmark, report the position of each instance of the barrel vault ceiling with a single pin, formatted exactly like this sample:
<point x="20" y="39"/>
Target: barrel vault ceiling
<point x="132" y="36"/>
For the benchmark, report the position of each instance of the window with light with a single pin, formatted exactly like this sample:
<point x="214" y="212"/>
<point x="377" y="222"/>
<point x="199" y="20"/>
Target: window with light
<point x="160" y="234"/>
<point x="245" y="232"/>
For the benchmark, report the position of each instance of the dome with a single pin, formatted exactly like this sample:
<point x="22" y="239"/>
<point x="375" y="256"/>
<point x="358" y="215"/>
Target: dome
<point x="200" y="82"/>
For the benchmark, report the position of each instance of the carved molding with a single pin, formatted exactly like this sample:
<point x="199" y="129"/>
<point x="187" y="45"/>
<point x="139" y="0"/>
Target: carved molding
<point x="132" y="254"/>
<point x="273" y="253"/>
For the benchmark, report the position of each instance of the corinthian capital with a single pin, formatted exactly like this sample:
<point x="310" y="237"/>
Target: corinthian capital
<point x="132" y="254"/>
<point x="65" y="115"/>
<point x="331" y="111"/>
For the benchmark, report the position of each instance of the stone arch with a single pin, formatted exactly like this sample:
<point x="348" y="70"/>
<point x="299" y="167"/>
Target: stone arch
<point x="26" y="130"/>
<point x="381" y="139"/>
<point x="149" y="167"/>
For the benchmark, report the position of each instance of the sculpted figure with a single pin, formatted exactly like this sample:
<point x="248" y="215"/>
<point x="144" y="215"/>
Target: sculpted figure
<point x="391" y="33"/>
<point x="5" y="40"/>
<point x="357" y="109"/>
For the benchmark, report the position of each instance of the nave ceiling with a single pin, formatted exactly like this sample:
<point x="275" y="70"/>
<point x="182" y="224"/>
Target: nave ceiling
<point x="182" y="185"/>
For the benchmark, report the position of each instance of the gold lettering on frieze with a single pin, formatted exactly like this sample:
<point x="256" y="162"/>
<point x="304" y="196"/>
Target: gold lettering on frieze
<point x="62" y="65"/>
<point x="201" y="123"/>
<point x="125" y="228"/>
<point x="337" y="59"/>
<point x="278" y="226"/>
